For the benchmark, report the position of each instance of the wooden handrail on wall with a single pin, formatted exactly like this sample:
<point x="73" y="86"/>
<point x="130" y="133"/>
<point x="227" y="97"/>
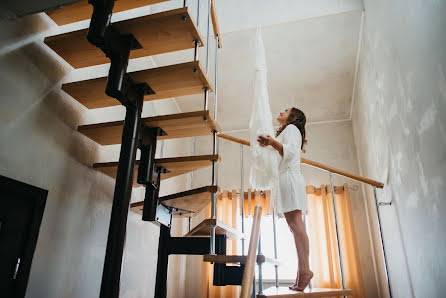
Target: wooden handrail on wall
<point x="234" y="139"/>
<point x="314" y="164"/>
<point x="215" y="23"/>
<point x="248" y="274"/>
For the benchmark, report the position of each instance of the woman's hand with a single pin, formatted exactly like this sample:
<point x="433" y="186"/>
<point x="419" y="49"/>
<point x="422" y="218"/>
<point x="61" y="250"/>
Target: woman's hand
<point x="269" y="141"/>
<point x="265" y="141"/>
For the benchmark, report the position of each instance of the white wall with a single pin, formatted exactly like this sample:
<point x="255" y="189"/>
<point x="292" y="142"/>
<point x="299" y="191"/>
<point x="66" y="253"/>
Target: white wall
<point x="399" y="123"/>
<point x="40" y="145"/>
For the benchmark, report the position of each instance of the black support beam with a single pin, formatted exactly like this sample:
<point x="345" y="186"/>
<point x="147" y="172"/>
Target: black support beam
<point x="117" y="47"/>
<point x="121" y="203"/>
<point x="189" y="246"/>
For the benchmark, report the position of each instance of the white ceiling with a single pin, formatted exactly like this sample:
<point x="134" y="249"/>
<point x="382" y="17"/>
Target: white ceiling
<point x="235" y="15"/>
<point x="311" y="59"/>
<point x="311" y="49"/>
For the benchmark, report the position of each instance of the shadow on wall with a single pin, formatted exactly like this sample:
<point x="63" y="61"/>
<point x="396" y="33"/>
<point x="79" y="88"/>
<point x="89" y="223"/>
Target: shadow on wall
<point x="28" y="75"/>
<point x="14" y="34"/>
<point x="33" y="78"/>
<point x="42" y="147"/>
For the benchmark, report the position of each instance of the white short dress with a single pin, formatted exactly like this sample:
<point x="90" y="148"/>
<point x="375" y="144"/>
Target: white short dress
<point x="291" y="192"/>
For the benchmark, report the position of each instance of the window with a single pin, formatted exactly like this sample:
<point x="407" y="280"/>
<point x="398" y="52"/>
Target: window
<point x="286" y="249"/>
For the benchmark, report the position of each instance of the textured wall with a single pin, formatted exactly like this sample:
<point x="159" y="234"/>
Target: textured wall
<point x="399" y="124"/>
<point x="40" y="145"/>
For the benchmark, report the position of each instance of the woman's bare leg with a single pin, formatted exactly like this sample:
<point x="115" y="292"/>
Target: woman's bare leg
<point x="297" y="226"/>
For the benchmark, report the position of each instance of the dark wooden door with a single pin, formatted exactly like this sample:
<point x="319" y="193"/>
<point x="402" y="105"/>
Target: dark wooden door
<point x="21" y="211"/>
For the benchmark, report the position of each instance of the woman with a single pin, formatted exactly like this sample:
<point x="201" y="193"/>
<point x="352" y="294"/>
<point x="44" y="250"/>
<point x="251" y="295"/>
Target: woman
<point x="291" y="194"/>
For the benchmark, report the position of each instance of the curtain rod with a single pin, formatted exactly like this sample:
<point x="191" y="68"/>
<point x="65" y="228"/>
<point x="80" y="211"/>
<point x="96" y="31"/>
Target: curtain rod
<point x="354" y="188"/>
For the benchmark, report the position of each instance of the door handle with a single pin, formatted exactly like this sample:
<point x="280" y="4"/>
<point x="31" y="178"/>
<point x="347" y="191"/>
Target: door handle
<point x="16" y="270"/>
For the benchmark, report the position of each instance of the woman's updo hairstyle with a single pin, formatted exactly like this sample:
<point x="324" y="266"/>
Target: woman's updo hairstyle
<point x="297" y="118"/>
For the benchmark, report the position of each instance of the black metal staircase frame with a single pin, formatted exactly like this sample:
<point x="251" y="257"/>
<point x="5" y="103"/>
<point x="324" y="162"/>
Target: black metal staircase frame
<point x="130" y="94"/>
<point x="135" y="135"/>
<point x="223" y="274"/>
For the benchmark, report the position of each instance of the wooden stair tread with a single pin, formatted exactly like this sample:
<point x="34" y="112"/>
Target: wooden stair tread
<point x="193" y="200"/>
<point x="175" y="165"/>
<point x="284" y="292"/>
<point x="203" y="230"/>
<point x="180" y="125"/>
<point x="158" y="33"/>
<point x="167" y="81"/>
<point x="81" y="11"/>
<point x="137" y="208"/>
<point x="224" y="259"/>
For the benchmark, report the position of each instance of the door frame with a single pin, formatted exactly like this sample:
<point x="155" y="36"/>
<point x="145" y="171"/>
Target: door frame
<point x="38" y="197"/>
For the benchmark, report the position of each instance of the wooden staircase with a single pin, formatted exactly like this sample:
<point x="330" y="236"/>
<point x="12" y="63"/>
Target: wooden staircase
<point x="159" y="33"/>
<point x="81" y="11"/>
<point x="182" y="125"/>
<point x="117" y="43"/>
<point x="193" y="200"/>
<point x="167" y="81"/>
<point x="203" y="230"/>
<point x="174" y="166"/>
<point x="106" y="42"/>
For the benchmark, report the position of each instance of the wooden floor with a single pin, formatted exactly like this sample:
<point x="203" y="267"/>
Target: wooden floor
<point x="158" y="33"/>
<point x="285" y="292"/>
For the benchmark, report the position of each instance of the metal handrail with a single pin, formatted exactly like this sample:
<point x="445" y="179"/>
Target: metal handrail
<point x="242" y="196"/>
<point x="335" y="215"/>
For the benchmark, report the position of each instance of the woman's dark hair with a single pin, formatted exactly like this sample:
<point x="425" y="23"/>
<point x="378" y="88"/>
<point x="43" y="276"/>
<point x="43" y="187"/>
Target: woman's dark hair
<point x="297" y="118"/>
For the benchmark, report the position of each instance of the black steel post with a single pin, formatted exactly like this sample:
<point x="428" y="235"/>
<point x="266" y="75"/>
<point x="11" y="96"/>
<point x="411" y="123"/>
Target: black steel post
<point x="188" y="246"/>
<point x="151" y="201"/>
<point x="234" y="275"/>
<point x="163" y="262"/>
<point x="148" y="174"/>
<point x="117" y="47"/>
<point x="219" y="269"/>
<point x="121" y="201"/>
<point x="119" y="61"/>
<point x="100" y="21"/>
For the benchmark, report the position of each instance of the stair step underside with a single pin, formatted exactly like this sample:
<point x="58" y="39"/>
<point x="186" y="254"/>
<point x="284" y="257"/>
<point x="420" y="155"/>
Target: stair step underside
<point x="225" y="259"/>
<point x="137" y="208"/>
<point x="203" y="230"/>
<point x="81" y="11"/>
<point x="193" y="200"/>
<point x="167" y="81"/>
<point x="182" y="125"/>
<point x="285" y="292"/>
<point x="184" y="203"/>
<point x="175" y="166"/>
<point x="159" y="33"/>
